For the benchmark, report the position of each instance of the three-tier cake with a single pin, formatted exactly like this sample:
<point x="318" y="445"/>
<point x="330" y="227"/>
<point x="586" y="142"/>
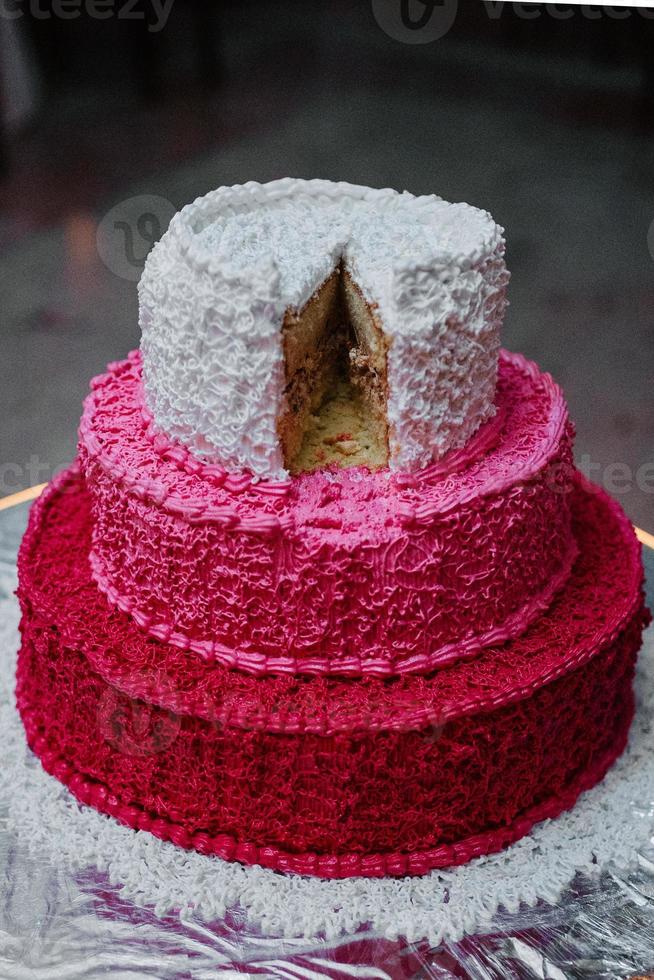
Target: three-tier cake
<point x="323" y="591"/>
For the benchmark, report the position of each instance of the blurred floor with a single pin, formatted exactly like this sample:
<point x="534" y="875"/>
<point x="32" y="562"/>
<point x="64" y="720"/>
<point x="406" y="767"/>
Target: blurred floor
<point x="557" y="149"/>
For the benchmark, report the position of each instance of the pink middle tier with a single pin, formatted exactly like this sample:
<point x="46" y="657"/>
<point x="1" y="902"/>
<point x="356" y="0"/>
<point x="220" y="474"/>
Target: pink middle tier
<point x="342" y="572"/>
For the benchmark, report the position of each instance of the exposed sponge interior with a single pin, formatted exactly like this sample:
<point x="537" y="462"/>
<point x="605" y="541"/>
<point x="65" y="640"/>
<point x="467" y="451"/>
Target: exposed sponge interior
<point x="335" y="381"/>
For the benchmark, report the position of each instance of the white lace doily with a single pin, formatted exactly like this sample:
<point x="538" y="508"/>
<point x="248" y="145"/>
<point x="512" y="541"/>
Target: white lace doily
<point x="608" y="826"/>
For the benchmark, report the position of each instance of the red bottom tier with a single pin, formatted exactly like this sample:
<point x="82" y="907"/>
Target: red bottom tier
<point x="320" y="775"/>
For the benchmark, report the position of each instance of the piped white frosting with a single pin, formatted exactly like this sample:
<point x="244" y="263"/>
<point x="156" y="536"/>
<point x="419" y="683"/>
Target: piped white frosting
<point x="216" y="287"/>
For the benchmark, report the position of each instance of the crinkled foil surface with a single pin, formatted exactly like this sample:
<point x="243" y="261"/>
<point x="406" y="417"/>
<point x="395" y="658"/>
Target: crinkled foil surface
<point x="57" y="926"/>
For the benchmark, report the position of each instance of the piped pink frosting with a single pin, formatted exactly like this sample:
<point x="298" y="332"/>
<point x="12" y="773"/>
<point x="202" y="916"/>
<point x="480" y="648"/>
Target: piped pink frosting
<point x="344" y="572"/>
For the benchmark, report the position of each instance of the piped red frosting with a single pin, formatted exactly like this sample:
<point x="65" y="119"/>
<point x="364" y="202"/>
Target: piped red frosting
<point x="320" y="775"/>
<point x="343" y="572"/>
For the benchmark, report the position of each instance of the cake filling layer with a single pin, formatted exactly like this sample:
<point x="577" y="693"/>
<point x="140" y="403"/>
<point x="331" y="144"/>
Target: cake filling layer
<point x="336" y="382"/>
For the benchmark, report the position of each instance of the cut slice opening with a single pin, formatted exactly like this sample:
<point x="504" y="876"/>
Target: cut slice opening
<point x="335" y="381"/>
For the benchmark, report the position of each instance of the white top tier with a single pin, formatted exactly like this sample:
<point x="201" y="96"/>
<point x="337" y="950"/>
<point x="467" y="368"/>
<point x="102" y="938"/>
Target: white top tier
<point x="216" y="287"/>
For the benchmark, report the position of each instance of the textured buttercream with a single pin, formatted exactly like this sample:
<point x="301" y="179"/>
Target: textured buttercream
<point x="343" y="572"/>
<point x="322" y="776"/>
<point x="216" y="287"/>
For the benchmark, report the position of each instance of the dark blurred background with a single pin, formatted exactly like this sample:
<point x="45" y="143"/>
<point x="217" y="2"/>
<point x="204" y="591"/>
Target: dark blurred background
<point x="543" y="114"/>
